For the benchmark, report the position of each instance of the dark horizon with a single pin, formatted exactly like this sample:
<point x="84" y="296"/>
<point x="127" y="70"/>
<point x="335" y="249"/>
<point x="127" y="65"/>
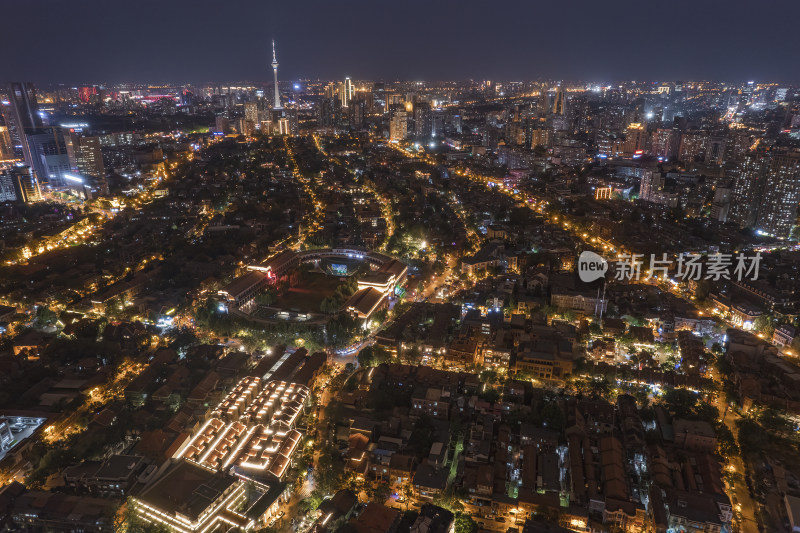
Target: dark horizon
<point x="180" y="42"/>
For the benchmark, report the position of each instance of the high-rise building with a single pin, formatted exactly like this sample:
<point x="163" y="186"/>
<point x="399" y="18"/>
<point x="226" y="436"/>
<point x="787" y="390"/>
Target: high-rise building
<point x="358" y="109"/>
<point x="43" y="148"/>
<point x="19" y="183"/>
<point x="7" y="191"/>
<point x="331" y="91"/>
<point x="423" y="123"/>
<point x="746" y="94"/>
<point x="543" y="104"/>
<point x="635" y="137"/>
<point x="8" y="188"/>
<point x="398" y="126"/>
<point x="251" y="111"/>
<point x="85" y="155"/>
<point x="187" y="98"/>
<point x="24" y="105"/>
<point x="222" y="124"/>
<point x="663" y="143"/>
<point x="244" y="126"/>
<point x="286" y="123"/>
<point x="379" y="93"/>
<point x="559" y="104"/>
<point x="721" y="204"/>
<point x="778" y="209"/>
<point x="6" y="148"/>
<point x="346" y="91"/>
<point x="437" y="123"/>
<point x="738" y="145"/>
<point x="328" y="112"/>
<point x="693" y="146"/>
<point x="47" y="155"/>
<point x="748" y="185"/>
<point x="651" y="185"/>
<point x="257" y="113"/>
<point x="515" y="133"/>
<point x="23" y="114"/>
<point x="766" y="192"/>
<point x="540" y="137"/>
<point x="453" y="122"/>
<point x="558" y="120"/>
<point x="715" y="150"/>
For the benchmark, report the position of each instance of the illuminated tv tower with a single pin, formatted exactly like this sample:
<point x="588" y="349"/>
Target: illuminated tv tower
<point x="275" y="72"/>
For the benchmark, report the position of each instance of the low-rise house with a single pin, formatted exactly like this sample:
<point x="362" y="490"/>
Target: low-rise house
<point x="429" y="482"/>
<point x="112" y="477"/>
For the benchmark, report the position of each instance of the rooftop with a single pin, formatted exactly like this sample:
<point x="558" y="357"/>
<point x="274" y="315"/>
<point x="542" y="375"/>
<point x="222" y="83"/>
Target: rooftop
<point x="186" y="489"/>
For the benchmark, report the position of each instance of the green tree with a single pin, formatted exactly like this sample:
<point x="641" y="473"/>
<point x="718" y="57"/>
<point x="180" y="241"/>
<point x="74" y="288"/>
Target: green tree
<point x="373" y="356"/>
<point x="764" y="325"/>
<point x="702" y="289"/>
<point x="568" y="315"/>
<point x="599" y="388"/>
<point x="408" y="492"/>
<point x="726" y="441"/>
<point x="684" y="403"/>
<point x="128" y="521"/>
<point x="465" y="524"/>
<point x="267" y="297"/>
<point x="44" y="315"/>
<point x="382" y="493"/>
<point x="489" y="394"/>
<point x="772" y="420"/>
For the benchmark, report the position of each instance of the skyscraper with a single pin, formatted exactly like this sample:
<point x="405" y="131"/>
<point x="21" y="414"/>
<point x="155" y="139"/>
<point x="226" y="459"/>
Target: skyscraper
<point x="251" y="111"/>
<point x="86" y="159"/>
<point x="7" y="190"/>
<point x="651" y="185"/>
<point x="85" y="155"/>
<point x="23" y="114"/>
<point x="6" y="148"/>
<point x="715" y="150"/>
<point x="398" y="126"/>
<point x="746" y="94"/>
<point x="693" y="146"/>
<point x="46" y="154"/>
<point x="748" y="186"/>
<point x="257" y="112"/>
<point x="358" y="109"/>
<point x="721" y="204"/>
<point x="277" y="104"/>
<point x="327" y="112"/>
<point x="379" y="91"/>
<point x="766" y="192"/>
<point x="635" y="137"/>
<point x="423" y="120"/>
<point x="24" y="105"/>
<point x="778" y="209"/>
<point x="664" y="143"/>
<point x="558" y="102"/>
<point x="544" y="100"/>
<point x="21" y="182"/>
<point x="346" y="93"/>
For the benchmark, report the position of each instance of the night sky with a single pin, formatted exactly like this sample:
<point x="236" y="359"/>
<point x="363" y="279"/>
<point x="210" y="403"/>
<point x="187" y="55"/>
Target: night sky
<point x="177" y="41"/>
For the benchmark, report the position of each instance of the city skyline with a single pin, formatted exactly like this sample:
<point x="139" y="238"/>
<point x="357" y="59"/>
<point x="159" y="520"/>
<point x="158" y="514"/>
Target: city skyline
<point x="458" y="267"/>
<point x="445" y="41"/>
